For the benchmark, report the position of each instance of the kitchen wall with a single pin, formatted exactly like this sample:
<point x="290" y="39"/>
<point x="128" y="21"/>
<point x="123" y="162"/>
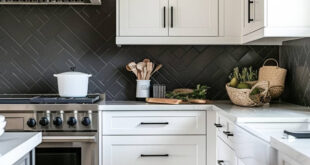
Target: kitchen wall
<point x="36" y="42"/>
<point x="295" y="56"/>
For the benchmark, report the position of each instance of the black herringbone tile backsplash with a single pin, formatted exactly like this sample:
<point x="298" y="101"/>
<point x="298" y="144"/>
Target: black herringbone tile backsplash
<point x="38" y="41"/>
<point x="295" y="56"/>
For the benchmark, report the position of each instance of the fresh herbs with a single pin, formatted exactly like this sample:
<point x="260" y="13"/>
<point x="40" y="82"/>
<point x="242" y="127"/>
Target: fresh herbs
<point x="199" y="92"/>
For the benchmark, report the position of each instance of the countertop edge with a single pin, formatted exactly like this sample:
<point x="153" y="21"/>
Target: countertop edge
<point x="21" y="150"/>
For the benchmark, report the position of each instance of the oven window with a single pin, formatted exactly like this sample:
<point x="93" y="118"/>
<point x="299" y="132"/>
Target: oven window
<point x="58" y="156"/>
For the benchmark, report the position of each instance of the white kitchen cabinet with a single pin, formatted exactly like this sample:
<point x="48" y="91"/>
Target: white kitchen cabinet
<point x="275" y="21"/>
<point x="168" y="18"/>
<point x="143" y="17"/>
<point x="225" y="155"/>
<point x="153" y="138"/>
<point x="253" y="18"/>
<point x="193" y="18"/>
<point x="154" y="122"/>
<point x="154" y="150"/>
<point x="283" y="159"/>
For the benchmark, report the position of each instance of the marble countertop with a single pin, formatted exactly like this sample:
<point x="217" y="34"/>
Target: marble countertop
<point x="297" y="149"/>
<point x="140" y="106"/>
<point x="14" y="146"/>
<point x="275" y="112"/>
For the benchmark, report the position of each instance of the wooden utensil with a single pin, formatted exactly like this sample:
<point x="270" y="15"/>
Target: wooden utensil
<point x="146" y="60"/>
<point x="140" y="67"/>
<point x="163" y="101"/>
<point x="132" y="66"/>
<point x="157" y="68"/>
<point x="149" y="68"/>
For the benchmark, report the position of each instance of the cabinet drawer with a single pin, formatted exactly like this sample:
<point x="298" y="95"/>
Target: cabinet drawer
<point x="154" y="122"/>
<point x="154" y="150"/>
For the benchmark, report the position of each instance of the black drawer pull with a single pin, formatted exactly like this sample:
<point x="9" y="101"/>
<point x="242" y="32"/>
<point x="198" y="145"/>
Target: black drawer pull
<point x="218" y="125"/>
<point x="220" y="162"/>
<point x="165" y="17"/>
<point x="249" y="11"/>
<point x="154" y="155"/>
<point x="154" y="123"/>
<point x="171" y="17"/>
<point x="227" y="133"/>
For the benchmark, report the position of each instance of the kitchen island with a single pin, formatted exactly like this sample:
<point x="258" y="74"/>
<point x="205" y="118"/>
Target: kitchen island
<point x="16" y="148"/>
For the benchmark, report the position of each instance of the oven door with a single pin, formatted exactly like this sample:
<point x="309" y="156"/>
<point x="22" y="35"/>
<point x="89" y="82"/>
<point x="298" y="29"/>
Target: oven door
<point x="67" y="150"/>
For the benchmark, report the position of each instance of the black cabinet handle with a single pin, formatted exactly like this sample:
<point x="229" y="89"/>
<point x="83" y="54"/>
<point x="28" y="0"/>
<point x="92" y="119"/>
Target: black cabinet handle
<point x="227" y="133"/>
<point x="165" y="17"/>
<point x="249" y="11"/>
<point x="155" y="155"/>
<point x="219" y="162"/>
<point x="218" y="125"/>
<point x="171" y="16"/>
<point x="154" y="123"/>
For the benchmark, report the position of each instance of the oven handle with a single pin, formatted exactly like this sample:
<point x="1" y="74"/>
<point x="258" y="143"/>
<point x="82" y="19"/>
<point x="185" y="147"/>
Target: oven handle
<point x="61" y="139"/>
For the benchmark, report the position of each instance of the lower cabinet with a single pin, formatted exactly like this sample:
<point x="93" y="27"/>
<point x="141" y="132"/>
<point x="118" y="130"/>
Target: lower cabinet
<point x="225" y="155"/>
<point x="25" y="160"/>
<point x="283" y="159"/>
<point x="154" y="150"/>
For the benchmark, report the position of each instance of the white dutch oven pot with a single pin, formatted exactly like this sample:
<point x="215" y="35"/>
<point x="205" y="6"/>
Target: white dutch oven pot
<point x="72" y="84"/>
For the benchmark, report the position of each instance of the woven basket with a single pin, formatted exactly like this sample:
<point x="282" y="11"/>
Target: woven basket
<point x="242" y="97"/>
<point x="276" y="77"/>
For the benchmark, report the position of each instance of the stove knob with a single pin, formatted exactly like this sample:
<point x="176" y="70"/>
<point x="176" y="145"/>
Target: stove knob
<point x="71" y="121"/>
<point x="57" y="121"/>
<point x="31" y="122"/>
<point x="44" y="121"/>
<point x="86" y="121"/>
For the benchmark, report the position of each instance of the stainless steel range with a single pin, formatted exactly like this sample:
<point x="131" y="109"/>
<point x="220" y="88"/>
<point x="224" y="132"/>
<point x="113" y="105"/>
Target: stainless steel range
<point x="69" y="126"/>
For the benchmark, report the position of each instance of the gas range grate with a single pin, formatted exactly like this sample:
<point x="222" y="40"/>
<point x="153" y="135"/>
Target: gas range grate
<point x="64" y="100"/>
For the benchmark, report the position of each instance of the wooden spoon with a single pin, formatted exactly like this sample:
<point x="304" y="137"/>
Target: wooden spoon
<point x="132" y="66"/>
<point x="157" y="68"/>
<point x="149" y="68"/>
<point x="140" y="67"/>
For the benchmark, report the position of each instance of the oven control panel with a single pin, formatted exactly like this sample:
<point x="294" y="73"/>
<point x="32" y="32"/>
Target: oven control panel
<point x="63" y="121"/>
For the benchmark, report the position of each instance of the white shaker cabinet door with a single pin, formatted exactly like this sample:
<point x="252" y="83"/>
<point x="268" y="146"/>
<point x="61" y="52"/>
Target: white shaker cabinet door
<point x="253" y="15"/>
<point x="143" y="17"/>
<point x="193" y="18"/>
<point x="154" y="150"/>
<point x="225" y="155"/>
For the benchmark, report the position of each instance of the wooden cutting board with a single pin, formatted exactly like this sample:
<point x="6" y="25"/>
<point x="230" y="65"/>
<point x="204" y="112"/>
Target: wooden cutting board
<point x="163" y="101"/>
<point x="176" y="101"/>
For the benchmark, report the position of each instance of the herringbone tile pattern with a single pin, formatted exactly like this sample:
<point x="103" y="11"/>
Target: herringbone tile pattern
<point x="38" y="41"/>
<point x="295" y="56"/>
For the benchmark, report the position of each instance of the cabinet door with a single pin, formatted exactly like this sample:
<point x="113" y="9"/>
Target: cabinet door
<point x="143" y="17"/>
<point x="193" y="18"/>
<point x="283" y="159"/>
<point x="253" y="15"/>
<point x="154" y="150"/>
<point x="225" y="155"/>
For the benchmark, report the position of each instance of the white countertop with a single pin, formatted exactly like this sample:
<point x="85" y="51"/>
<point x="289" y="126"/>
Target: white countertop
<point x="297" y="149"/>
<point x="275" y="112"/>
<point x="140" y="106"/>
<point x="14" y="146"/>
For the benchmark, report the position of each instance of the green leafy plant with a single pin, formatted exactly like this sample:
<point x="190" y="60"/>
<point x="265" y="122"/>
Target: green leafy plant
<point x="200" y="92"/>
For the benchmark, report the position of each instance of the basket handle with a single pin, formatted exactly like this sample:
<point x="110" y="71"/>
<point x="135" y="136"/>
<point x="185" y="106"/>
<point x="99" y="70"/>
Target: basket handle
<point x="271" y="59"/>
<point x="261" y="83"/>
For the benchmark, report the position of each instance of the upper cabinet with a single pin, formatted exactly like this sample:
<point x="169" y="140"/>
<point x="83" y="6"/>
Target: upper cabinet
<point x="193" y="18"/>
<point x="168" y="18"/>
<point x="192" y="22"/>
<point x="143" y="17"/>
<point x="274" y="21"/>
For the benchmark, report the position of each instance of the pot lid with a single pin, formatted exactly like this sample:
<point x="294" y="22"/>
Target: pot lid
<point x="72" y="74"/>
